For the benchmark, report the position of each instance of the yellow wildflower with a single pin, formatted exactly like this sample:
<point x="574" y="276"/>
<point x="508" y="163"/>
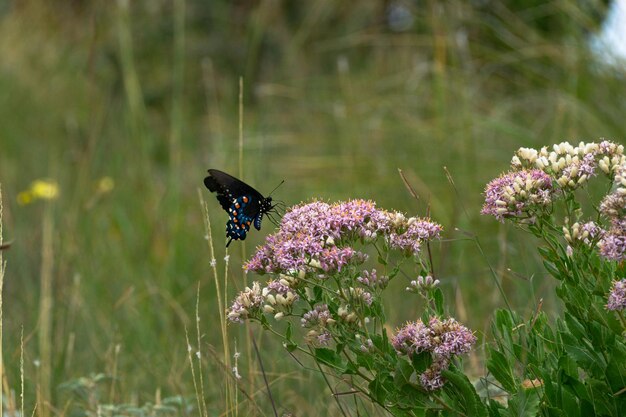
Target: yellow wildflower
<point x="24" y="197"/>
<point x="44" y="189"/>
<point x="105" y="185"/>
<point x="39" y="190"/>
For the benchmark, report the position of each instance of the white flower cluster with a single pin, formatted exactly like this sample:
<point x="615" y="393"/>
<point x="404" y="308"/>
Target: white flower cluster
<point x="345" y="314"/>
<point x="276" y="298"/>
<point x="278" y="302"/>
<point x="611" y="157"/>
<point x="571" y="166"/>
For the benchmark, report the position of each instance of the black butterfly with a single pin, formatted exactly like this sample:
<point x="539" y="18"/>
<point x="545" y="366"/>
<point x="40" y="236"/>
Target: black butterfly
<point x="244" y="204"/>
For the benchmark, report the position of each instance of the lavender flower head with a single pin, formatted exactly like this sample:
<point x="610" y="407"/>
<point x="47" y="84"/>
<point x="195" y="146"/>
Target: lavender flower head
<point x="613" y="246"/>
<point x="450" y="338"/>
<point x="410" y="239"/>
<point x="431" y="378"/>
<point x="613" y="243"/>
<point x="617" y="296"/>
<point x="373" y="280"/>
<point x="317" y="237"/>
<point x="516" y="192"/>
<point x="443" y="339"/>
<point x="614" y="205"/>
<point x="320" y="316"/>
<point x="413" y="337"/>
<point x="318" y="320"/>
<point x="422" y="284"/>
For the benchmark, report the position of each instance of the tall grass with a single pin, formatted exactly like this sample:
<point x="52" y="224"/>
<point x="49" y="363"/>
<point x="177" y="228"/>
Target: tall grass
<point x="334" y="103"/>
<point x="46" y="306"/>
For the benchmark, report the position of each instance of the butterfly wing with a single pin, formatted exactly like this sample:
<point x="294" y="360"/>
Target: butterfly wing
<point x="226" y="187"/>
<point x="244" y="204"/>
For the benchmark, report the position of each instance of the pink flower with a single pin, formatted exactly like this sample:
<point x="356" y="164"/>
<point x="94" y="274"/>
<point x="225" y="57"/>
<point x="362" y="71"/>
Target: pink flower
<point x="318" y="237"/>
<point x="617" y="296"/>
<point x="514" y="193"/>
<point x="443" y="339"/>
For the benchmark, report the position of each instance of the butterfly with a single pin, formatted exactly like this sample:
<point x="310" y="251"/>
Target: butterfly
<point x="244" y="204"/>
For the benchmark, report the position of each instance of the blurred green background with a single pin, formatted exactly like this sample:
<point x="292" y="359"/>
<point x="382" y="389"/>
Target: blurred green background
<point x="126" y="104"/>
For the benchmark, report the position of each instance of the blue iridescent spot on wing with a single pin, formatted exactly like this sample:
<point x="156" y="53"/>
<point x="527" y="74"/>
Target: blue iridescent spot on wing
<point x="238" y="223"/>
<point x="257" y="221"/>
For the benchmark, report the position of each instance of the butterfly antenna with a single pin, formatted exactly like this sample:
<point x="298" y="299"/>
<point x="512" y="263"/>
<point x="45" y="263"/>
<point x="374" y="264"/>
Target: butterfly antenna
<point x="281" y="183"/>
<point x="229" y="240"/>
<point x="280" y="206"/>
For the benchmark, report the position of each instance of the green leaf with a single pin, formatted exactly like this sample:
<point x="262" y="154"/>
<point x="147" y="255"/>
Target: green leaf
<point x="381" y="342"/>
<point x="382" y="260"/>
<point x="499" y="366"/>
<point x="379" y="387"/>
<point x="318" y="293"/>
<point x="547" y="253"/>
<point x="616" y="370"/>
<point x="552" y="270"/>
<point x="585" y="355"/>
<point x="569" y="402"/>
<point x="602" y="396"/>
<point x="575" y="327"/>
<point x="525" y="403"/>
<point x="411" y="397"/>
<point x="494" y="409"/>
<point x="463" y="393"/>
<point x="568" y="366"/>
<point x="505" y="321"/>
<point x="331" y="358"/>
<point x="289" y="332"/>
<point x="394" y="271"/>
<point x="291" y="346"/>
<point x="351" y="368"/>
<point x="365" y="359"/>
<point x="403" y="372"/>
<point x="555" y="412"/>
<point x="421" y="361"/>
<point x="403" y="411"/>
<point x="438" y="298"/>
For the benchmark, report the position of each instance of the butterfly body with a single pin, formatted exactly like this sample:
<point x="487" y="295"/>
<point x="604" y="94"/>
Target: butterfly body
<point x="245" y="205"/>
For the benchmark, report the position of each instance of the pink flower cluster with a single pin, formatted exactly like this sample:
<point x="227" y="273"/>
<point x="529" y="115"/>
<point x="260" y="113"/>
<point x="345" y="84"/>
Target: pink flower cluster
<point x="516" y="192"/>
<point x="318" y="237"/>
<point x="318" y="320"/>
<point x="613" y="243"/>
<point x="617" y="296"/>
<point x="443" y="339"/>
<point x="372" y="280"/>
